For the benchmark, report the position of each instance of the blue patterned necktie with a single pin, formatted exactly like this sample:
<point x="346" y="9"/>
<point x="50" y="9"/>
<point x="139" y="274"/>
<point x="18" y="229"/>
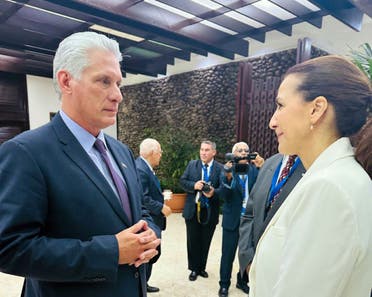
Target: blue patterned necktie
<point x="119" y="184"/>
<point x="204" y="200"/>
<point x="205" y="173"/>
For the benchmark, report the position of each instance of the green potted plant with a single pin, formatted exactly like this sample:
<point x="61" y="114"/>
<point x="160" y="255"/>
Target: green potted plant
<point x="178" y="150"/>
<point x="363" y="59"/>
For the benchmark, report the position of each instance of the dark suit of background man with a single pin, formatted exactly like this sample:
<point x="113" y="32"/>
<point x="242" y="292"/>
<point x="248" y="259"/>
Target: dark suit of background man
<point x="252" y="227"/>
<point x="71" y="218"/>
<point x="150" y="155"/>
<point x="201" y="209"/>
<point x="238" y="180"/>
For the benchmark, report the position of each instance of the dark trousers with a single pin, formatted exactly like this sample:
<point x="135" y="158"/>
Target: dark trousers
<point x="148" y="271"/>
<point x="148" y="266"/>
<point x="230" y="240"/>
<point x="199" y="239"/>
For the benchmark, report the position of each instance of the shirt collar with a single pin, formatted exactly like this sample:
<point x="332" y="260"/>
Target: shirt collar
<point x="209" y="164"/>
<point x="83" y="136"/>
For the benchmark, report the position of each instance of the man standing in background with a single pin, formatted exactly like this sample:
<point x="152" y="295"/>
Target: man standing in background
<point x="276" y="179"/>
<point x="239" y="177"/>
<point x="149" y="159"/>
<point x="201" y="181"/>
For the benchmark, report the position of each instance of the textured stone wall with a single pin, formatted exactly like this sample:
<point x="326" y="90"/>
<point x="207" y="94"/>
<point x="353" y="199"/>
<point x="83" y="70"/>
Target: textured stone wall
<point x="201" y="102"/>
<point x="275" y="64"/>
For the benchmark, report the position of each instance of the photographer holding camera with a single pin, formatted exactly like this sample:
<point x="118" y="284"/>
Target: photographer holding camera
<point x="240" y="173"/>
<point x="201" y="181"/>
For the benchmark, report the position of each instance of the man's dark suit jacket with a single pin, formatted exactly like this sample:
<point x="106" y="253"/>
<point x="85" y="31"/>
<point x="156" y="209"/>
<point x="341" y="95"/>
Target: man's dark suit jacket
<point x="191" y="175"/>
<point x="59" y="216"/>
<point x="233" y="195"/>
<point x="251" y="228"/>
<point x="153" y="196"/>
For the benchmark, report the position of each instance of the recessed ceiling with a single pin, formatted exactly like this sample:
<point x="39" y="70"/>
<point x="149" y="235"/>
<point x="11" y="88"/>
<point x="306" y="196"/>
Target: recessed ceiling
<point x="154" y="34"/>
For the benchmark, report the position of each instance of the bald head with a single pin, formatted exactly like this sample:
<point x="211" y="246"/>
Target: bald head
<point x="147" y="146"/>
<point x="150" y="150"/>
<point x="239" y="145"/>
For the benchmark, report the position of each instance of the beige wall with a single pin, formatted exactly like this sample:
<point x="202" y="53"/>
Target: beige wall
<point x="43" y="99"/>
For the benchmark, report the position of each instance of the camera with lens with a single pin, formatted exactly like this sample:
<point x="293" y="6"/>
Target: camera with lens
<point x="206" y="187"/>
<point x="236" y="166"/>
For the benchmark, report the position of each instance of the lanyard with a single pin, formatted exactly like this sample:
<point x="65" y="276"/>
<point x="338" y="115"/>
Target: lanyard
<point x="275" y="187"/>
<point x="242" y="180"/>
<point x="245" y="190"/>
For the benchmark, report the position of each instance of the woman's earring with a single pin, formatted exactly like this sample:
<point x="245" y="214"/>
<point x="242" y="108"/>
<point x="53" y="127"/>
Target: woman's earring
<point x="311" y="127"/>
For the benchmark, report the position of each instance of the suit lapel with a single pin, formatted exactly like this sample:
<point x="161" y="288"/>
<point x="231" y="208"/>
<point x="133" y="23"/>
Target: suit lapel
<point x="127" y="169"/>
<point x="76" y="153"/>
<point x="153" y="177"/>
<point x="287" y="188"/>
<point x="268" y="176"/>
<point x="268" y="179"/>
<point x="198" y="173"/>
<point x="156" y="181"/>
<point x="212" y="172"/>
<point x="266" y="184"/>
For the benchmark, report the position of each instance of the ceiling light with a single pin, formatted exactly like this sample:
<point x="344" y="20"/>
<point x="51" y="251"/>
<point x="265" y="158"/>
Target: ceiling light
<point x="273" y="9"/>
<point x="209" y="4"/>
<point x="218" y="27"/>
<point x="308" y="4"/>
<point x="47" y="11"/>
<point x="243" y="19"/>
<point x="116" y="33"/>
<point x="163" y="44"/>
<point x="141" y="53"/>
<point x="5" y="58"/>
<point x="171" y="9"/>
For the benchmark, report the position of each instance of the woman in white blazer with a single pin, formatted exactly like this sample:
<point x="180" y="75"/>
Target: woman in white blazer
<point x="319" y="243"/>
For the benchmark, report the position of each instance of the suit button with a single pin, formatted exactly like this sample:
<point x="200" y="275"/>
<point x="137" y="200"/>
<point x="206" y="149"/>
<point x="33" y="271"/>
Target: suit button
<point x="136" y="275"/>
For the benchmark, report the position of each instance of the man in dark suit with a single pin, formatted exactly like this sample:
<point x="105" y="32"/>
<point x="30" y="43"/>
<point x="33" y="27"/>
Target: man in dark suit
<point x="265" y="199"/>
<point x="150" y="155"/>
<point x="239" y="178"/>
<point x="201" y="181"/>
<point x="71" y="218"/>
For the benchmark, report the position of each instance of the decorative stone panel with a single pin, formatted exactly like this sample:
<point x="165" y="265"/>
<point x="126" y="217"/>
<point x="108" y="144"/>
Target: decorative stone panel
<point x="201" y="101"/>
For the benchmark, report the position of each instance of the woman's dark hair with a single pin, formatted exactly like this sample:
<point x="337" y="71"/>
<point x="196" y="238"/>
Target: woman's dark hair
<point x="363" y="150"/>
<point x="346" y="88"/>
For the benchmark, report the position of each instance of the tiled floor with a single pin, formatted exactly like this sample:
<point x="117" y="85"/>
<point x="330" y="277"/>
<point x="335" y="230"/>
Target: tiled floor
<point x="170" y="273"/>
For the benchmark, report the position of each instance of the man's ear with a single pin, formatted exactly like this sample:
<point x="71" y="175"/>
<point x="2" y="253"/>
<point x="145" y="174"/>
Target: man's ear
<point x="64" y="79"/>
<point x="319" y="108"/>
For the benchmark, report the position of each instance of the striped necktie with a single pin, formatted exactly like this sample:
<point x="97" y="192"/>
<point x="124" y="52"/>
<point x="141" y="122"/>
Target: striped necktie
<point x="119" y="184"/>
<point x="284" y="174"/>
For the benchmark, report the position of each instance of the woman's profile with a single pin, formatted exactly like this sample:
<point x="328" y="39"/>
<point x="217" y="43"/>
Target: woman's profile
<point x="319" y="243"/>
